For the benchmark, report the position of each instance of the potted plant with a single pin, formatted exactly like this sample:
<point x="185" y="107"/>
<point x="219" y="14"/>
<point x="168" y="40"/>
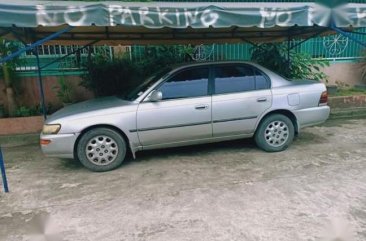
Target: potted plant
<point x="64" y="91"/>
<point x="8" y="72"/>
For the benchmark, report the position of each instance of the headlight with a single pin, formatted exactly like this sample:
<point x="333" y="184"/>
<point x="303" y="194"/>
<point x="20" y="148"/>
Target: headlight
<point x="51" y="129"/>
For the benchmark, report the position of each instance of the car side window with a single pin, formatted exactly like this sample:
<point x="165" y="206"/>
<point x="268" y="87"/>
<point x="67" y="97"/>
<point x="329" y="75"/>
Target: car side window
<point x="261" y="81"/>
<point x="187" y="83"/>
<point x="234" y="78"/>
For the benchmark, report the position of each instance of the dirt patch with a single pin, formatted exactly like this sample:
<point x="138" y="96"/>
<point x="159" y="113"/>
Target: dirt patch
<point x="222" y="191"/>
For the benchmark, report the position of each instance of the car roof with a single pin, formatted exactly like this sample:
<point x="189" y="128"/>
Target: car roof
<point x="194" y="64"/>
<point x="276" y="80"/>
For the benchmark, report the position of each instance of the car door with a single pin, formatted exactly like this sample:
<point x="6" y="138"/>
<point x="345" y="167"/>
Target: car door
<point x="241" y="94"/>
<point x="183" y="114"/>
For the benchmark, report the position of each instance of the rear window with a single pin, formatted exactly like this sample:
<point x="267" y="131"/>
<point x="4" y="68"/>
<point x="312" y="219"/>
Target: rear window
<point x="234" y="78"/>
<point x="261" y="81"/>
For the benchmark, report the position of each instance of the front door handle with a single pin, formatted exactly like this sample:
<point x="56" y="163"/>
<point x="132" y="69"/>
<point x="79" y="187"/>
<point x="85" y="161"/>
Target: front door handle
<point x="262" y="99"/>
<point x="201" y="107"/>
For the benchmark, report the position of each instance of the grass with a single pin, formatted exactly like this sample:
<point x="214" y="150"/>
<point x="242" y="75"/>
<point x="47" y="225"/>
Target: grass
<point x="349" y="92"/>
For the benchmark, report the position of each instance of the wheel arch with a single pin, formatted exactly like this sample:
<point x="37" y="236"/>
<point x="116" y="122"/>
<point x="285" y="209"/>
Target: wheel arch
<point x="284" y="112"/>
<point x="118" y="130"/>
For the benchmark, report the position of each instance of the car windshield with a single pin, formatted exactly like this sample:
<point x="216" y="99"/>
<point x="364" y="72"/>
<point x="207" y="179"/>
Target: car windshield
<point x="135" y="92"/>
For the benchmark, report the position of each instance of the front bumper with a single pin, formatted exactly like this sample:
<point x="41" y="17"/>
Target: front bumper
<point x="312" y="116"/>
<point x="60" y="145"/>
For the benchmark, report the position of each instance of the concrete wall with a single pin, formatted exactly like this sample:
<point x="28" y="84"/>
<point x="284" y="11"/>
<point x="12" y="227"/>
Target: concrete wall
<point x="347" y="73"/>
<point x="23" y="125"/>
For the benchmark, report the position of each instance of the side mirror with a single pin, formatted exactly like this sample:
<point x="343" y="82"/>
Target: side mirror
<point x="155" y="96"/>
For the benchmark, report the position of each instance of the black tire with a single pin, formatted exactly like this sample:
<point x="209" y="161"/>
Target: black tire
<point x="108" y="156"/>
<point x="264" y="137"/>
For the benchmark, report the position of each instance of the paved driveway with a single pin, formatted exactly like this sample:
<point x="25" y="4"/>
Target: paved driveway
<point x="316" y="190"/>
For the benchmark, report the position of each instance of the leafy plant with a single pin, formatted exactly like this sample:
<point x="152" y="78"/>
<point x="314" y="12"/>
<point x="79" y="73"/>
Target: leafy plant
<point x="115" y="77"/>
<point x="64" y="90"/>
<point x="8" y="72"/>
<point x="24" y="111"/>
<point x="105" y="77"/>
<point x="300" y="66"/>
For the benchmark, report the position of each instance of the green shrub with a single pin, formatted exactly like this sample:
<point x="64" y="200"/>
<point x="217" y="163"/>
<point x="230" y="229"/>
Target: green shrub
<point x="301" y="65"/>
<point x="64" y="90"/>
<point x="24" y="111"/>
<point x="107" y="77"/>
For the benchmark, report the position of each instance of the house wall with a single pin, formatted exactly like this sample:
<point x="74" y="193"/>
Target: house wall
<point x="29" y="94"/>
<point x="344" y="73"/>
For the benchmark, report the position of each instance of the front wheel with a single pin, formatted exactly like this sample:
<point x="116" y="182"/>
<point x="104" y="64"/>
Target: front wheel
<point x="101" y="149"/>
<point x="275" y="133"/>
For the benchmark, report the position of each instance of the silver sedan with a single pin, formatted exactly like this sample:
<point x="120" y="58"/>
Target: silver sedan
<point x="192" y="104"/>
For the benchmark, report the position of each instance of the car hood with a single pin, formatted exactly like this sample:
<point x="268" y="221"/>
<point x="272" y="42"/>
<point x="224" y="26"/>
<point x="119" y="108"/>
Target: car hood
<point x="91" y="107"/>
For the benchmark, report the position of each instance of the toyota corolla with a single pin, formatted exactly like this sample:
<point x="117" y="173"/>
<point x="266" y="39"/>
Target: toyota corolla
<point x="191" y="104"/>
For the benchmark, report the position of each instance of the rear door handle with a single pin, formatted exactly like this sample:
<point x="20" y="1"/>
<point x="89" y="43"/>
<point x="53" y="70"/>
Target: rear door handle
<point x="201" y="107"/>
<point x="262" y="99"/>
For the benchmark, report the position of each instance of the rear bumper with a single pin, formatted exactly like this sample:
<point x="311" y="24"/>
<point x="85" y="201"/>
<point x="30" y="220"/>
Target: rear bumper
<point x="61" y="145"/>
<point x="312" y="116"/>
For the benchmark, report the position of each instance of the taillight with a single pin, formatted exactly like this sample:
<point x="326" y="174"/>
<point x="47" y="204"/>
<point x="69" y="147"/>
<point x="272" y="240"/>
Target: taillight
<point x="323" y="98"/>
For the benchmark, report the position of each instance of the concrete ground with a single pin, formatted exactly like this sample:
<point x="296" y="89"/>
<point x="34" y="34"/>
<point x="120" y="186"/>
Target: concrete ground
<point x="316" y="190"/>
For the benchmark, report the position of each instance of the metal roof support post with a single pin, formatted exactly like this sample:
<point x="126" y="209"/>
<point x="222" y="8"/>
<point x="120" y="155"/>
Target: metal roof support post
<point x="35" y="44"/>
<point x="289" y="51"/>
<point x="359" y="33"/>
<point x="35" y="51"/>
<point x="3" y="173"/>
<point x="307" y="39"/>
<point x="347" y="34"/>
<point x="40" y="84"/>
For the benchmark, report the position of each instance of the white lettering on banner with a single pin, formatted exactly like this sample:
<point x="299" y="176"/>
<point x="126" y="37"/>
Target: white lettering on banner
<point x="127" y="13"/>
<point x="361" y="16"/>
<point x="162" y="17"/>
<point x="144" y="11"/>
<point x="177" y="15"/>
<point x="114" y="10"/>
<point x="73" y="12"/>
<point x="118" y="11"/>
<point x="209" y="18"/>
<point x="74" y="16"/>
<point x="117" y="14"/>
<point x="281" y="17"/>
<point x="311" y="14"/>
<point x="190" y="18"/>
<point x="43" y="18"/>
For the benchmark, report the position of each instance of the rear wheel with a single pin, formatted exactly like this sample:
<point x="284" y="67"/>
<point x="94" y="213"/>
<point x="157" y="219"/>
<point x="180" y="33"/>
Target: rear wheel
<point x="275" y="133"/>
<point x="101" y="149"/>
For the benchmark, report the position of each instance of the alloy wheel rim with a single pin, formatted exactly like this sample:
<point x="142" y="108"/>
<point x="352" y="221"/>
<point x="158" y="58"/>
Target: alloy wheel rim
<point x="101" y="150"/>
<point x="276" y="133"/>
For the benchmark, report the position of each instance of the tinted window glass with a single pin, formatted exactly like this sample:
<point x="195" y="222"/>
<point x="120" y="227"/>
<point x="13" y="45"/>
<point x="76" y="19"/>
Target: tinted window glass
<point x="261" y="81"/>
<point x="231" y="79"/>
<point x="188" y="83"/>
<point x="135" y="92"/>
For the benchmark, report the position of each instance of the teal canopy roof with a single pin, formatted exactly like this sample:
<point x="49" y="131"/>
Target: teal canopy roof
<point x="173" y="22"/>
